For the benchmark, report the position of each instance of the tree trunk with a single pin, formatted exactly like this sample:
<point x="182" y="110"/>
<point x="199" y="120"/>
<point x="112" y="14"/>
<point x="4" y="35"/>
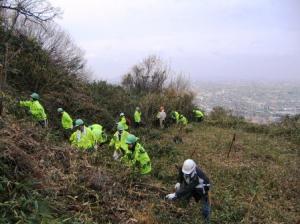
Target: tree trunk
<point x="5" y="67"/>
<point x="1" y="77"/>
<point x="1" y="89"/>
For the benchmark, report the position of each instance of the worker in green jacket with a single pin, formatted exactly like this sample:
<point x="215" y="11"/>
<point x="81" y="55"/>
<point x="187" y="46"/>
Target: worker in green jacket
<point x="118" y="141"/>
<point x="183" y="120"/>
<point x="99" y="133"/>
<point x="137" y="117"/>
<point x="175" y="116"/>
<point x="66" y="120"/>
<point x="123" y="121"/>
<point x="36" y="109"/>
<point x="83" y="138"/>
<point x="137" y="157"/>
<point x="198" y="115"/>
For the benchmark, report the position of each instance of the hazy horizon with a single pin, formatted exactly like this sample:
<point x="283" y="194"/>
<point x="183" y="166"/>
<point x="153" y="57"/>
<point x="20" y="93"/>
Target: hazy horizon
<point x="208" y="40"/>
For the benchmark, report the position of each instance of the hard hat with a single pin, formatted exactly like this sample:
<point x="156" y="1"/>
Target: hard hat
<point x="78" y="122"/>
<point x="131" y="139"/>
<point x="137" y="108"/>
<point x="120" y="127"/>
<point x="35" y="96"/>
<point x="122" y="114"/>
<point x="188" y="166"/>
<point x="59" y="110"/>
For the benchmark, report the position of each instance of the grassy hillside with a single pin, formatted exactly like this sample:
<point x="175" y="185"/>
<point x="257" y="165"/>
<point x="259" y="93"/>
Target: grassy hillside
<point x="44" y="180"/>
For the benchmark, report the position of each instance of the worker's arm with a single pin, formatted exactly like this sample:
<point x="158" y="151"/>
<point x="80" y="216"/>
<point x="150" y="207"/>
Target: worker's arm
<point x="92" y="137"/>
<point x="112" y="142"/>
<point x="66" y="119"/>
<point x="185" y="189"/>
<point x="40" y="112"/>
<point x="26" y="103"/>
<point x="73" y="138"/>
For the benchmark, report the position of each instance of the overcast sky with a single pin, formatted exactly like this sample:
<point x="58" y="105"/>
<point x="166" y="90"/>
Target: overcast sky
<point x="209" y="40"/>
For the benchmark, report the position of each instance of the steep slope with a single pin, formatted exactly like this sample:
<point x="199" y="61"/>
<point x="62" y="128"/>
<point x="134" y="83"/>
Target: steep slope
<point x="44" y="180"/>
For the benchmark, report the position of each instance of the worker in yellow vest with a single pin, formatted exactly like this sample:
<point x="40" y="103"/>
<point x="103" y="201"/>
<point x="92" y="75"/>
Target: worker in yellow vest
<point x="36" y="109"/>
<point x="83" y="138"/>
<point x="137" y="117"/>
<point x="118" y="141"/>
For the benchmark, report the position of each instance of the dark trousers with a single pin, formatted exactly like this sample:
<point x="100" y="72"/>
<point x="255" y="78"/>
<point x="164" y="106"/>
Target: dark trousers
<point x="43" y="123"/>
<point x="67" y="133"/>
<point x="137" y="124"/>
<point x="203" y="199"/>
<point x="206" y="208"/>
<point x="199" y="119"/>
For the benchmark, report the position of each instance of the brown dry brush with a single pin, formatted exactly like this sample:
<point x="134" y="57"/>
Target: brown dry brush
<point x="91" y="188"/>
<point x="76" y="186"/>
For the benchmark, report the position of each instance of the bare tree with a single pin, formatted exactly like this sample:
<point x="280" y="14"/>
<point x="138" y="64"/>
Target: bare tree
<point x="148" y="76"/>
<point x="180" y="84"/>
<point x="58" y="44"/>
<point x="67" y="59"/>
<point x="36" y="11"/>
<point x="13" y="12"/>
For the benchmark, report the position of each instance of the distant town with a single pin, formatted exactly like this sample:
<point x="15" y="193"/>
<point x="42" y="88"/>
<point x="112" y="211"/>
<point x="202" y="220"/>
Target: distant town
<point x="259" y="103"/>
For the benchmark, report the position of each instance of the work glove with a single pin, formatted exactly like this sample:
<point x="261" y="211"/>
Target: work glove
<point x="116" y="155"/>
<point x="177" y="186"/>
<point x="171" y="196"/>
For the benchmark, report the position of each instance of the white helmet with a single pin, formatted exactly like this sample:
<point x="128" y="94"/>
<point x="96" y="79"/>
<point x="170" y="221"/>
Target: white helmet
<point x="189" y="166"/>
<point x="122" y="114"/>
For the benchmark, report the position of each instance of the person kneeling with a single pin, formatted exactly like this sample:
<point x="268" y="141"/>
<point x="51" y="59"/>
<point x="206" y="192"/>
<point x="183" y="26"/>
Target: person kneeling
<point x="137" y="157"/>
<point x="192" y="182"/>
<point x="83" y="138"/>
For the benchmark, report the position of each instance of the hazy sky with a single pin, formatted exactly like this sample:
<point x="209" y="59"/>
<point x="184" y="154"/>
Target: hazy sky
<point x="205" y="39"/>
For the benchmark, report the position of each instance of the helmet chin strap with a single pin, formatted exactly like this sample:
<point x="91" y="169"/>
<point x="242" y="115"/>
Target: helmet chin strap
<point x="193" y="173"/>
<point x="188" y="177"/>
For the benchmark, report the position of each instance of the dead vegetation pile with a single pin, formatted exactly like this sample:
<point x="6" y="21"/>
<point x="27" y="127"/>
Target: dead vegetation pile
<point x="26" y="152"/>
